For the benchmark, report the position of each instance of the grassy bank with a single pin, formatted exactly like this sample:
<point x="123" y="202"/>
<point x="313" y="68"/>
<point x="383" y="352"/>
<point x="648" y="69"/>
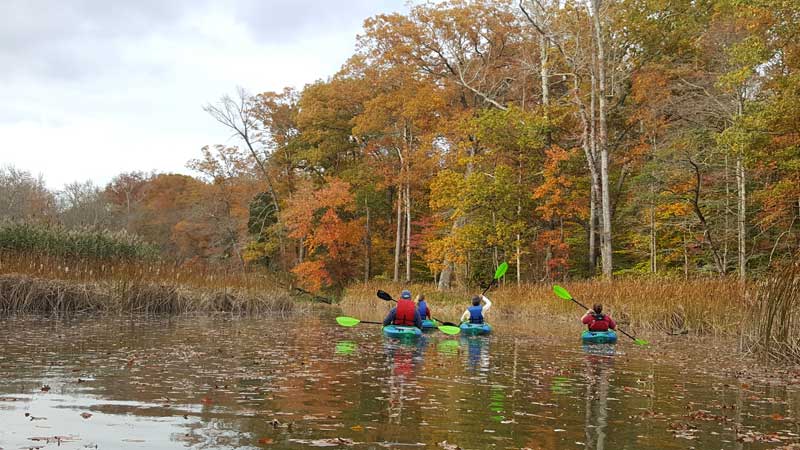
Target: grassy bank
<point x="45" y="284"/>
<point x="700" y="306"/>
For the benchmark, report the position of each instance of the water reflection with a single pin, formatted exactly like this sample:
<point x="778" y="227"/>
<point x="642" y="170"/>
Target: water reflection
<point x="215" y="382"/>
<point x="599" y="366"/>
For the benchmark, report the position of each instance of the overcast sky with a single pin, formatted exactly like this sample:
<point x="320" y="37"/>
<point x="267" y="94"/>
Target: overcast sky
<point x="92" y="88"/>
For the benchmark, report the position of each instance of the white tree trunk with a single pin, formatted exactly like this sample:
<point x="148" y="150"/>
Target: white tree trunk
<point x="398" y="234"/>
<point x="742" y="218"/>
<point x="408" y="232"/>
<point x="606" y="247"/>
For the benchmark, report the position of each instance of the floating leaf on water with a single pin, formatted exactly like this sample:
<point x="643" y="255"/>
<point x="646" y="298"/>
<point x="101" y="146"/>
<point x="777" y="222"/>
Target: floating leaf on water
<point x="86" y="415"/>
<point x="265" y="441"/>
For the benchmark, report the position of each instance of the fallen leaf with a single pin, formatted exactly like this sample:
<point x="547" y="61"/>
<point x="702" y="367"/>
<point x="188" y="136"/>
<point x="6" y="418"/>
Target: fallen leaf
<point x="86" y="415"/>
<point x="265" y="441"/>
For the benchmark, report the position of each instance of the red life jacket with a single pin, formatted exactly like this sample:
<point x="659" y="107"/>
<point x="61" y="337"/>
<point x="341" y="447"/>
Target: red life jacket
<point x="404" y="315"/>
<point x="599" y="322"/>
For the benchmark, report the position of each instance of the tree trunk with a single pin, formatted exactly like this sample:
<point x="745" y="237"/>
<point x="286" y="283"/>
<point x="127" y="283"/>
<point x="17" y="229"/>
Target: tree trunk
<point x="398" y="235"/>
<point x="742" y="218"/>
<point x="544" y="71"/>
<point x="408" y="232"/>
<point x="653" y="241"/>
<point x="367" y="247"/>
<point x="606" y="249"/>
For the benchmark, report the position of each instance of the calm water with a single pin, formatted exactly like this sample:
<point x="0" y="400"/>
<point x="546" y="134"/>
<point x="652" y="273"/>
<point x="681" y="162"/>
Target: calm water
<point x="241" y="383"/>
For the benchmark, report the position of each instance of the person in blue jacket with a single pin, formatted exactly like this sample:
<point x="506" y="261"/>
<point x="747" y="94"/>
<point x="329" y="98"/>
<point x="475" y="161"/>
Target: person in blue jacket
<point x="476" y="312"/>
<point x="422" y="307"/>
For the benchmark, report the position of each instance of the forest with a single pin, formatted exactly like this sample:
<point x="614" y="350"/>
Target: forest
<point x="572" y="139"/>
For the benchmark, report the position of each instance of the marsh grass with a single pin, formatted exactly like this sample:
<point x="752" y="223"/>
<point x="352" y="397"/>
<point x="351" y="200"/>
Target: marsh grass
<point x="773" y="332"/>
<point x="47" y="284"/>
<point x="674" y="306"/>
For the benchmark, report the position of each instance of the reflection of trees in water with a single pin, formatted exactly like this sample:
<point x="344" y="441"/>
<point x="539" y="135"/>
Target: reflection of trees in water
<point x="599" y="367"/>
<point x="404" y="359"/>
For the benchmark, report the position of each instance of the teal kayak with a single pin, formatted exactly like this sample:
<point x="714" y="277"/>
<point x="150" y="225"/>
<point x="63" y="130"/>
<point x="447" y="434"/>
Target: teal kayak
<point x="401" y="332"/>
<point x="599" y="337"/>
<point x="472" y="329"/>
<point x="429" y="325"/>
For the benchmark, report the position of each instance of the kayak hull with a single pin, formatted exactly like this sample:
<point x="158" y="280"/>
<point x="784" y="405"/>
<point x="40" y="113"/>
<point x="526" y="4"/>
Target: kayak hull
<point x="475" y="329"/>
<point x="429" y="325"/>
<point x="599" y="337"/>
<point x="401" y="332"/>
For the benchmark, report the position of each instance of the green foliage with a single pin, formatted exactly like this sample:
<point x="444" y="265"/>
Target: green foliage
<point x="97" y="245"/>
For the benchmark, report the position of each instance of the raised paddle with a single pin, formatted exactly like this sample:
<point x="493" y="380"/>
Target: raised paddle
<point x="501" y="270"/>
<point x="564" y="294"/>
<point x="446" y="327"/>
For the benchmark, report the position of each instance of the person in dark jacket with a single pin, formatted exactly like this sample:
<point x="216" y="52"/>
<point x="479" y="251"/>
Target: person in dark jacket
<point x="597" y="321"/>
<point x="405" y="313"/>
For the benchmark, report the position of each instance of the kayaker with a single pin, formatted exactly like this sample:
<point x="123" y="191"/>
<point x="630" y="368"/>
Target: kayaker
<point x="422" y="307"/>
<point x="476" y="312"/>
<point x="405" y="313"/>
<point x="596" y="320"/>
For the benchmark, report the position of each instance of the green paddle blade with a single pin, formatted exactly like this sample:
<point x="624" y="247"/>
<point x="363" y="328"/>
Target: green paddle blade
<point x="561" y="292"/>
<point x="347" y="321"/>
<point x="501" y="270"/>
<point x="641" y="342"/>
<point x="447" y="329"/>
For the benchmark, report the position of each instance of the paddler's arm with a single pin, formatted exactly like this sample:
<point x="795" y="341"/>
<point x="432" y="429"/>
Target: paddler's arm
<point x="465" y="316"/>
<point x="390" y="317"/>
<point x="486" y="304"/>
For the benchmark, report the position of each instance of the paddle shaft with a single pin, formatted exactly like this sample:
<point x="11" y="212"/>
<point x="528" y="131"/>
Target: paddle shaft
<point x="369" y="321"/>
<point x="618" y="329"/>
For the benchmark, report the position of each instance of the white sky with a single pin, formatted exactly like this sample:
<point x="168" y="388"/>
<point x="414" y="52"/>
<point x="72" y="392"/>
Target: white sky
<point x="92" y="88"/>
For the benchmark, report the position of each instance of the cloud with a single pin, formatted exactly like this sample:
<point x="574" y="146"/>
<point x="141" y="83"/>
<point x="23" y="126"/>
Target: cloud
<point x="91" y="88"/>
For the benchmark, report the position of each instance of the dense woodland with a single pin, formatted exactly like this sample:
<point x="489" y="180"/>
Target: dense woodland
<point x="573" y="139"/>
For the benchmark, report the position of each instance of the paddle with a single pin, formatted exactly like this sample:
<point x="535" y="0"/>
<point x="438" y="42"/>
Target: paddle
<point x="501" y="270"/>
<point x="564" y="294"/>
<point x="446" y="327"/>
<point x="352" y="321"/>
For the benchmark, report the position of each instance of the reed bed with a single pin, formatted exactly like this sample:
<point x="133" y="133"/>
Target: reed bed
<point x="773" y="331"/>
<point x="23" y="294"/>
<point x="674" y="306"/>
<point x="56" y="241"/>
<point x="48" y="284"/>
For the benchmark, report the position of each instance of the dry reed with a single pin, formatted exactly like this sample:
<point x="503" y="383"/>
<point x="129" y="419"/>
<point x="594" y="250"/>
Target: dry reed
<point x="36" y="283"/>
<point x="773" y="331"/>
<point x="675" y="306"/>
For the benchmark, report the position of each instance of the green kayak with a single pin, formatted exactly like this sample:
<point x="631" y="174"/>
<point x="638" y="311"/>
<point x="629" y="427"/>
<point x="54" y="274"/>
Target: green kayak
<point x="401" y="332"/>
<point x="473" y="329"/>
<point x="599" y="337"/>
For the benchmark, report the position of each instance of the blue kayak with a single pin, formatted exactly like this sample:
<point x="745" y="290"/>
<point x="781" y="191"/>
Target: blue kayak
<point x="429" y="325"/>
<point x="401" y="332"/>
<point x="472" y="329"/>
<point x="599" y="337"/>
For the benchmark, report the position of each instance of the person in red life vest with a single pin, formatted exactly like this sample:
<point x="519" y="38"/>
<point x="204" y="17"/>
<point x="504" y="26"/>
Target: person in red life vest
<point x="405" y="313"/>
<point x="597" y="321"/>
<point x="422" y="307"/>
